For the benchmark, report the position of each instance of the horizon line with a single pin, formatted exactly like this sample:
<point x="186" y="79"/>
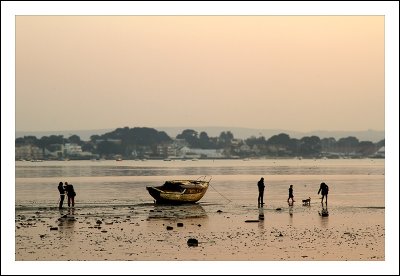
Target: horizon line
<point x="191" y="127"/>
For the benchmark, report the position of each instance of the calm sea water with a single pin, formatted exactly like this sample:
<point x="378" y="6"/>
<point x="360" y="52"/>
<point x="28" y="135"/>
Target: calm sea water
<point x="353" y="183"/>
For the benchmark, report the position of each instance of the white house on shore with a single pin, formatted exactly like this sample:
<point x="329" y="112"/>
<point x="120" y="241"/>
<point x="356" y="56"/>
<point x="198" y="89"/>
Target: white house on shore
<point x="186" y="152"/>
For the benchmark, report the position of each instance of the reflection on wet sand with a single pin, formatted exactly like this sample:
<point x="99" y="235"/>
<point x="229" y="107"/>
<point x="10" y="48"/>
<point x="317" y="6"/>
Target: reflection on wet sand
<point x="177" y="211"/>
<point x="261" y="218"/>
<point x="66" y="227"/>
<point x="261" y="213"/>
<point x="67" y="220"/>
<point x="290" y="209"/>
<point x="324" y="213"/>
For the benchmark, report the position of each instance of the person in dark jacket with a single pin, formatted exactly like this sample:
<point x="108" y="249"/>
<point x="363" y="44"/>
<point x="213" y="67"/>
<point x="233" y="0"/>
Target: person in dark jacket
<point x="324" y="189"/>
<point x="70" y="194"/>
<point x="261" y="187"/>
<point x="291" y="194"/>
<point x="62" y="195"/>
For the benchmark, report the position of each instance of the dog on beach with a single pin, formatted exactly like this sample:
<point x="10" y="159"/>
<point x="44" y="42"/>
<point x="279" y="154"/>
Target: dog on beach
<point x="307" y="202"/>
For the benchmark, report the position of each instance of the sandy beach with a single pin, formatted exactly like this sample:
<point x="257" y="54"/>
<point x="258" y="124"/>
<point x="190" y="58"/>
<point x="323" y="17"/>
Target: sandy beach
<point x="151" y="232"/>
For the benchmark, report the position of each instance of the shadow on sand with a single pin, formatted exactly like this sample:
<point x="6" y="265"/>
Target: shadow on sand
<point x="161" y="211"/>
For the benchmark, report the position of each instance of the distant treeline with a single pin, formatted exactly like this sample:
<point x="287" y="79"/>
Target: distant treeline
<point x="140" y="142"/>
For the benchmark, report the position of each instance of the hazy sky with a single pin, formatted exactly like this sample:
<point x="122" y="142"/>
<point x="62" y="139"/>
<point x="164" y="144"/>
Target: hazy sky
<point x="299" y="73"/>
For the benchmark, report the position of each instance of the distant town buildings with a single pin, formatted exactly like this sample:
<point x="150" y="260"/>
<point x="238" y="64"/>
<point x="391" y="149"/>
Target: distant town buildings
<point x="28" y="152"/>
<point x="139" y="143"/>
<point x="68" y="150"/>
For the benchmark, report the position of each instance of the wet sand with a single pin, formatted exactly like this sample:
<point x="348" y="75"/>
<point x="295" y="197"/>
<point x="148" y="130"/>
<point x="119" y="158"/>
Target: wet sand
<point x="230" y="232"/>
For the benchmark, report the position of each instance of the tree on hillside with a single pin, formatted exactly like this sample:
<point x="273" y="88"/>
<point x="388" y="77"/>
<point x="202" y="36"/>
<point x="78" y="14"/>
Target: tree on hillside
<point x="281" y="139"/>
<point x="46" y="141"/>
<point x="255" y="141"/>
<point x="204" y="141"/>
<point x="347" y="145"/>
<point x="366" y="148"/>
<point x="75" y="139"/>
<point x="27" y="140"/>
<point x="328" y="144"/>
<point x="190" y="136"/>
<point x="310" y="146"/>
<point x="225" y="138"/>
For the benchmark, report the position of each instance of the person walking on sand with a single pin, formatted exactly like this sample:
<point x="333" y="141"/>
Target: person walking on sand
<point x="324" y="189"/>
<point x="70" y="194"/>
<point x="291" y="194"/>
<point x="62" y="195"/>
<point x="261" y="187"/>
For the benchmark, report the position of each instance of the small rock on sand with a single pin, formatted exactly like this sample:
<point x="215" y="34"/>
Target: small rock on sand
<point x="192" y="242"/>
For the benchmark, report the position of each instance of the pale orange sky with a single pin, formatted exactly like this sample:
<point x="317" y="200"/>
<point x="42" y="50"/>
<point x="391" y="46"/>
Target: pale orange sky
<point x="299" y="73"/>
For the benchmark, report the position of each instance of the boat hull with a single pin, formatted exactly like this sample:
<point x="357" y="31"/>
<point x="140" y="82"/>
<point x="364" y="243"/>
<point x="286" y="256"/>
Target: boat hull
<point x="189" y="192"/>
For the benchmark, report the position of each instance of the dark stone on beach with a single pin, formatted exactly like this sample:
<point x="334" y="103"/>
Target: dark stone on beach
<point x="193" y="242"/>
<point x="278" y="209"/>
<point x="99" y="222"/>
<point x="179" y="224"/>
<point x="170" y="227"/>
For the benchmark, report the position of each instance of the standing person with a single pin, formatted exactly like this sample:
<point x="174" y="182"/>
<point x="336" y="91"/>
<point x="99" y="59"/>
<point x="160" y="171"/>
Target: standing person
<point x="70" y="194"/>
<point x="62" y="194"/>
<point x="291" y="194"/>
<point x="261" y="187"/>
<point x="324" y="189"/>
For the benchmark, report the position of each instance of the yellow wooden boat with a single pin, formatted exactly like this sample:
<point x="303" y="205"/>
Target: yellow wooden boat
<point x="179" y="191"/>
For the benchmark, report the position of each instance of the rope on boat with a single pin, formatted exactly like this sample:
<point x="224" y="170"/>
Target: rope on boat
<point x="203" y="177"/>
<point x="220" y="193"/>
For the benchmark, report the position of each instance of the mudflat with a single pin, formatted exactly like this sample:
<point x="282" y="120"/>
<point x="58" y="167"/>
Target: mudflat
<point x="234" y="232"/>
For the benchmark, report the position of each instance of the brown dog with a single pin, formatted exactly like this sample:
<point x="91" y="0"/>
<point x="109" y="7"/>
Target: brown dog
<point x="307" y="202"/>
